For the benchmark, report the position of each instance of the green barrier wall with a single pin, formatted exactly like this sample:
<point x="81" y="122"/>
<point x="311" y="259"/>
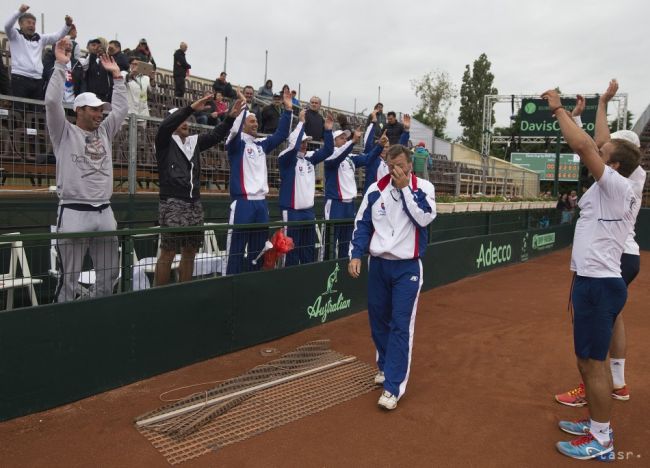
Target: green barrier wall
<point x="58" y="353"/>
<point x="643" y="229"/>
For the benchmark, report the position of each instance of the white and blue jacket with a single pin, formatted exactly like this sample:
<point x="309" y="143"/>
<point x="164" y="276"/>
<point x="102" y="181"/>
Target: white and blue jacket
<point x="377" y="168"/>
<point x="340" y="183"/>
<point x="297" y="176"/>
<point x="392" y="223"/>
<point x="247" y="157"/>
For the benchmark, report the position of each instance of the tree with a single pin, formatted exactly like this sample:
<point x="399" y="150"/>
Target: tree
<point x="613" y="124"/>
<point x="476" y="84"/>
<point x="436" y="93"/>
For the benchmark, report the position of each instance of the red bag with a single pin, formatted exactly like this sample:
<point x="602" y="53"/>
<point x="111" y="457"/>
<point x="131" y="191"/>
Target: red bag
<point x="281" y="245"/>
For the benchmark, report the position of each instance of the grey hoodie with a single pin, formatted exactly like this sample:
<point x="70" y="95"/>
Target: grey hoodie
<point x="84" y="163"/>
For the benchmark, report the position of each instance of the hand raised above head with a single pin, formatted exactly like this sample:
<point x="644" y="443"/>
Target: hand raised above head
<point x="110" y="65"/>
<point x="301" y="115"/>
<point x="580" y="106"/>
<point x="329" y="121"/>
<point x="553" y="98"/>
<point x="406" y="121"/>
<point x="23" y="8"/>
<point x="356" y="136"/>
<point x="611" y="91"/>
<point x="63" y="50"/>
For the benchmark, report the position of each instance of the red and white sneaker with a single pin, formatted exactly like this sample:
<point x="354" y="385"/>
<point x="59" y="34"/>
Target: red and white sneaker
<point x="622" y="394"/>
<point x="575" y="397"/>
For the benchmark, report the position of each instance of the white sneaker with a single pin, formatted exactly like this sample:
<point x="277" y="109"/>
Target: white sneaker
<point x="379" y="378"/>
<point x="387" y="401"/>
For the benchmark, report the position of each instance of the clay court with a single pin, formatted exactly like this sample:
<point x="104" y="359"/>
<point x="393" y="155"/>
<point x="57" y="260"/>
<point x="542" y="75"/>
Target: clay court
<point x="490" y="351"/>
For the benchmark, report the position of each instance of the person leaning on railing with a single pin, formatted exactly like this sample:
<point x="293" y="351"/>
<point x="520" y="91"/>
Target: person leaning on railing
<point x="84" y="175"/>
<point x="179" y="167"/>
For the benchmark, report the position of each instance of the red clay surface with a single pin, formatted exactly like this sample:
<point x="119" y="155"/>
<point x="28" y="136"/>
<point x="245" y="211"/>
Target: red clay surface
<point x="490" y="352"/>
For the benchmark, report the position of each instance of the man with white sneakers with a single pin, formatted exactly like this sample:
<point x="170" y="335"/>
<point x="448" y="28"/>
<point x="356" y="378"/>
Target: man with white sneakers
<point x="392" y="225"/>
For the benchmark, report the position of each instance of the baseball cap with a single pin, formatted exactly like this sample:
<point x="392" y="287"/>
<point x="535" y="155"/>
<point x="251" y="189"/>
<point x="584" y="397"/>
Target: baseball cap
<point x="306" y="137"/>
<point x="627" y="135"/>
<point x="338" y="133"/>
<point x="421" y="144"/>
<point x="90" y="99"/>
<point x="143" y="41"/>
<point x="94" y="41"/>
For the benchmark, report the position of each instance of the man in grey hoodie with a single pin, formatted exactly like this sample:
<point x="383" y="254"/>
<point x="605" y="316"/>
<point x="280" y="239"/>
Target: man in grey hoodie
<point x="84" y="175"/>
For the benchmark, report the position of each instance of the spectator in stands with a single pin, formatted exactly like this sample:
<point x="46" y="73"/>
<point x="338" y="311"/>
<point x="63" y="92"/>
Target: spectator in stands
<point x="73" y="76"/>
<point x="294" y="99"/>
<point x="97" y="79"/>
<point x="27" y="52"/>
<point x="298" y="186"/>
<point x="253" y="107"/>
<point x="341" y="184"/>
<point x="376" y="167"/>
<point x="564" y="208"/>
<point x="76" y="50"/>
<point x="115" y="51"/>
<point x="137" y="91"/>
<point x="179" y="164"/>
<point x="220" y="109"/>
<point x="266" y="90"/>
<point x="381" y="120"/>
<point x="271" y="115"/>
<point x="314" y="122"/>
<point x="143" y="53"/>
<point x="4" y="78"/>
<point x="222" y="86"/>
<point x="249" y="184"/>
<point x="394" y="129"/>
<point x="420" y="161"/>
<point x="343" y="123"/>
<point x="84" y="175"/>
<point x="181" y="70"/>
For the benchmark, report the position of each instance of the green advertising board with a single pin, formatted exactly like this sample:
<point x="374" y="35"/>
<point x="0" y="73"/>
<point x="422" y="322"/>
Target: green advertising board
<point x="544" y="165"/>
<point x="535" y="117"/>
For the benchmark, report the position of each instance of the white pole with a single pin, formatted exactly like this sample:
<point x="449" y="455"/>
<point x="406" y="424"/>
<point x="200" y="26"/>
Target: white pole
<point x="246" y="391"/>
<point x="266" y="64"/>
<point x="225" y="54"/>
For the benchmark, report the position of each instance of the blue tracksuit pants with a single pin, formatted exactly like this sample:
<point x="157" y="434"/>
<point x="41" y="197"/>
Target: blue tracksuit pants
<point x="304" y="237"/>
<point x="393" y="289"/>
<point x="335" y="209"/>
<point x="246" y="212"/>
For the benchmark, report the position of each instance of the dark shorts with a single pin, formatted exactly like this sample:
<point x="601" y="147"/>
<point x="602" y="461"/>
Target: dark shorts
<point x="179" y="213"/>
<point x="596" y="304"/>
<point x="630" y="266"/>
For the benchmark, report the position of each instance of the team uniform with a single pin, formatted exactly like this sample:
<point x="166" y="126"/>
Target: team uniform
<point x="248" y="189"/>
<point x="297" y="189"/>
<point x="376" y="167"/>
<point x="341" y="187"/>
<point x="392" y="225"/>
<point x="631" y="259"/>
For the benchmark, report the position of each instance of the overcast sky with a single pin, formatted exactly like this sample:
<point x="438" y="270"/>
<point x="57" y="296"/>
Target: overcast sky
<point x="349" y="48"/>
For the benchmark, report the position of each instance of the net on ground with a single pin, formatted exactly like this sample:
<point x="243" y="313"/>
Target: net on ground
<point x="308" y="380"/>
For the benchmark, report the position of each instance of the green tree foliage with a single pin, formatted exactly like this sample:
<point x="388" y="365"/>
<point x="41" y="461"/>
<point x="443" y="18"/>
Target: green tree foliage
<point x="477" y="82"/>
<point x="613" y="125"/>
<point x="436" y="93"/>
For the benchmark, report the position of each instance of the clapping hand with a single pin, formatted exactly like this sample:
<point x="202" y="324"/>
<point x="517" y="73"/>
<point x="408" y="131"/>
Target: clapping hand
<point x="68" y="20"/>
<point x="23" y="8"/>
<point x="110" y="65"/>
<point x="383" y="140"/>
<point x="553" y="99"/>
<point x="406" y="121"/>
<point x="238" y="106"/>
<point x="612" y="88"/>
<point x="329" y="121"/>
<point x="580" y="106"/>
<point x="63" y="50"/>
<point x="286" y="98"/>
<point x="356" y="136"/>
<point x="301" y="115"/>
<point x="199" y="104"/>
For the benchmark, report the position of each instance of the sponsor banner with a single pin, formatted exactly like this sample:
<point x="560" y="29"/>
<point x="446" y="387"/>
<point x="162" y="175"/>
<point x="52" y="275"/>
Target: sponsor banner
<point x="535" y="118"/>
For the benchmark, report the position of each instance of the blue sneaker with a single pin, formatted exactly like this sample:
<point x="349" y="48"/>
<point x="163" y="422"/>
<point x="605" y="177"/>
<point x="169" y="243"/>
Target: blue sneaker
<point x="585" y="448"/>
<point x="580" y="427"/>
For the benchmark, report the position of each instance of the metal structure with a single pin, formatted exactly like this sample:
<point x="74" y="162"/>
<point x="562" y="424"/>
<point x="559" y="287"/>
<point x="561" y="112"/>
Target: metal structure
<point x="489" y="100"/>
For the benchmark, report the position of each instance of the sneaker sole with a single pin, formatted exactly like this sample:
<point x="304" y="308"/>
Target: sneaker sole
<point x="574" y="405"/>
<point x="572" y="432"/>
<point x="595" y="455"/>
<point x="386" y="408"/>
<point x="379" y="381"/>
<point x="620" y="397"/>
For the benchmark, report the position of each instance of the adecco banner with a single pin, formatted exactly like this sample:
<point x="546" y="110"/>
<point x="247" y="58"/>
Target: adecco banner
<point x="535" y="117"/>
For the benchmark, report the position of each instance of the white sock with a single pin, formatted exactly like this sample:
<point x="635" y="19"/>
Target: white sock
<point x="618" y="372"/>
<point x="600" y="431"/>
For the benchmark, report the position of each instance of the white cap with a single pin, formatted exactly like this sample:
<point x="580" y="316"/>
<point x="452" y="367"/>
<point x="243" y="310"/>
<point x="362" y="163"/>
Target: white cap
<point x="305" y="137"/>
<point x="627" y="135"/>
<point x="90" y="99"/>
<point x="338" y="133"/>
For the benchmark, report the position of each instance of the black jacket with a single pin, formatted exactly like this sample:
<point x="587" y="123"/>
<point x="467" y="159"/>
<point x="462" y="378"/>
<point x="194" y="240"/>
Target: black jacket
<point x="98" y="80"/>
<point x="4" y="78"/>
<point x="122" y="61"/>
<point x="180" y="177"/>
<point x="225" y="89"/>
<point x="270" y="118"/>
<point x="314" y="124"/>
<point x="393" y="132"/>
<point x="180" y="64"/>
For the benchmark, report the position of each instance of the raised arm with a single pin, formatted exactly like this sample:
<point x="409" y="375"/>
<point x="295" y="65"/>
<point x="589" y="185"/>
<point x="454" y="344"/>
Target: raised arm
<point x="601" y="136"/>
<point x="370" y="132"/>
<point x="12" y="33"/>
<point x="53" y="37"/>
<point x="54" y="113"/>
<point x="406" y="134"/>
<point x="120" y="107"/>
<point x="575" y="137"/>
<point x="289" y="155"/>
<point x="284" y="126"/>
<point x="219" y="132"/>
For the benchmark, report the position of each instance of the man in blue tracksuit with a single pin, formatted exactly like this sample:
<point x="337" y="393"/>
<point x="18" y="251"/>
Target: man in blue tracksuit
<point x="298" y="186"/>
<point x="249" y="184"/>
<point x="376" y="167"/>
<point x="392" y="225"/>
<point x="341" y="184"/>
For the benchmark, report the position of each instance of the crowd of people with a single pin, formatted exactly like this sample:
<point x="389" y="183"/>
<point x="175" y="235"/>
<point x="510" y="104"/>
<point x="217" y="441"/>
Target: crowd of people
<point x="390" y="224"/>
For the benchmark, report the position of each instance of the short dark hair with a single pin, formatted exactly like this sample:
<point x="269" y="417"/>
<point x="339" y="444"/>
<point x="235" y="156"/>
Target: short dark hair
<point x="247" y="87"/>
<point x="223" y="73"/>
<point x="378" y="104"/>
<point x="397" y="150"/>
<point x="116" y="42"/>
<point x="25" y="16"/>
<point x="391" y="113"/>
<point x="133" y="59"/>
<point x="627" y="155"/>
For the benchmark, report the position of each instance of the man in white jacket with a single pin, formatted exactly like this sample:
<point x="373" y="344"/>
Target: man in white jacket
<point x="27" y="52"/>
